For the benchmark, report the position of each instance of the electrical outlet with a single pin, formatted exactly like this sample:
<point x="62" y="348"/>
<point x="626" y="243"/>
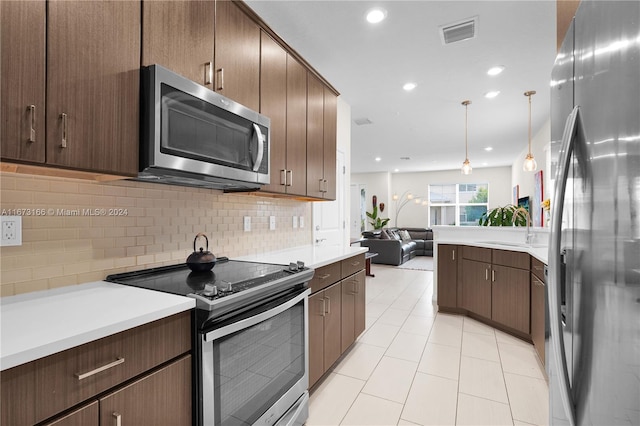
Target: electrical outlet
<point x="301" y="221"/>
<point x="247" y="223"/>
<point x="11" y="230"/>
<point x="272" y="223"/>
<point x="295" y="222"/>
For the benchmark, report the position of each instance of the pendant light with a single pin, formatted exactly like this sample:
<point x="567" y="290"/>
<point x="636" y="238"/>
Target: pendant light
<point x="529" y="162"/>
<point x="466" y="166"/>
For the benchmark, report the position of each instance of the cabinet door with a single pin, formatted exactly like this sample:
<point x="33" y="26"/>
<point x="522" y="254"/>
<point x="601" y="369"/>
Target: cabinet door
<point x="359" y="310"/>
<point x="447" y="275"/>
<point x="273" y="104"/>
<point x="161" y="398"/>
<point x="296" y="127"/>
<point x="316" y="336"/>
<point x="332" y="325"/>
<point x="93" y="85"/>
<point x="85" y="416"/>
<point x="237" y="55"/>
<point x="330" y="143"/>
<point x="510" y="298"/>
<point x="179" y="36"/>
<point x="476" y="287"/>
<point x="538" y="305"/>
<point x="315" y="137"/>
<point x="22" y="104"/>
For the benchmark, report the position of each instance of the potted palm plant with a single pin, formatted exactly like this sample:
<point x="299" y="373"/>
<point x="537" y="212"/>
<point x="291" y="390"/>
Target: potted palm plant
<point x="508" y="215"/>
<point x="377" y="222"/>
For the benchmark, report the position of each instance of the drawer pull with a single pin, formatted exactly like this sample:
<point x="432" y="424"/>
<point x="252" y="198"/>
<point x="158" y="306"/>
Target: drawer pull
<point x="99" y="369"/>
<point x="324" y="277"/>
<point x="118" y="418"/>
<point x="328" y="299"/>
<point x="355" y="263"/>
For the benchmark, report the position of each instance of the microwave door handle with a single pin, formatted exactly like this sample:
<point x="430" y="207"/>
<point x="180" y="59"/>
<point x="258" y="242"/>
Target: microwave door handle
<point x="256" y="166"/>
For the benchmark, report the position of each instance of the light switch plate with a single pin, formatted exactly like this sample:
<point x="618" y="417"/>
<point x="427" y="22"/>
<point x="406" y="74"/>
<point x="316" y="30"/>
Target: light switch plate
<point x="11" y="231"/>
<point x="295" y="222"/>
<point x="301" y="221"/>
<point x="272" y="223"/>
<point x="247" y="223"/>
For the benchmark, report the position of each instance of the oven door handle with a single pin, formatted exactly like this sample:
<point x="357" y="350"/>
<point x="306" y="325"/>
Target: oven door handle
<point x="248" y="322"/>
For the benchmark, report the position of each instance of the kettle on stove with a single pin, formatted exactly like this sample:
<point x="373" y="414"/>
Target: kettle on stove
<point x="202" y="260"/>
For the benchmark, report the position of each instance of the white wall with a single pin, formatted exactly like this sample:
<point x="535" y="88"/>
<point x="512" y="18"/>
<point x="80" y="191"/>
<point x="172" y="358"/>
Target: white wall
<point x="344" y="145"/>
<point x="540" y="148"/>
<point x="378" y="184"/>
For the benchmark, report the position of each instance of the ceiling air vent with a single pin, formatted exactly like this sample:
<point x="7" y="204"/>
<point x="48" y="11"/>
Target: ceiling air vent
<point x="458" y="31"/>
<point x="362" y="121"/>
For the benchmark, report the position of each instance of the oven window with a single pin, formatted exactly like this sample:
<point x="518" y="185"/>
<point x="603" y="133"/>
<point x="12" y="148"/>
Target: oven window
<point x="254" y="367"/>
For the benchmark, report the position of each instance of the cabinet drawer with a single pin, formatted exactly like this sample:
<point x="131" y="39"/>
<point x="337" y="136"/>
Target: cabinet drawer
<point x="325" y="276"/>
<point x="513" y="259"/>
<point x="37" y="390"/>
<point x="352" y="265"/>
<point x="476" y="253"/>
<point x="537" y="268"/>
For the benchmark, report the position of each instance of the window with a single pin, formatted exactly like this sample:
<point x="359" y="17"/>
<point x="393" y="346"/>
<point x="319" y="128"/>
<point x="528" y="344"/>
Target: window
<point x="457" y="204"/>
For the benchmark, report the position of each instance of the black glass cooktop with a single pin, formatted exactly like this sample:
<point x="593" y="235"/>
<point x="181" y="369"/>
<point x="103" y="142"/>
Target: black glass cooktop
<point x="228" y="277"/>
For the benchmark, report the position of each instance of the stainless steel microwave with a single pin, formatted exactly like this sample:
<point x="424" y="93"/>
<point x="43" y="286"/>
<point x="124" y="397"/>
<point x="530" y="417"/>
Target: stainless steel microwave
<point x="192" y="136"/>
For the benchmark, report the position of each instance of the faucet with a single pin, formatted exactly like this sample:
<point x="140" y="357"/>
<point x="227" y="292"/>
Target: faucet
<point x="528" y="235"/>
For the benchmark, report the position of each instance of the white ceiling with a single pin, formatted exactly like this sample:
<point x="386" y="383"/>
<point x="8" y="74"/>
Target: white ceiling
<point x="368" y="64"/>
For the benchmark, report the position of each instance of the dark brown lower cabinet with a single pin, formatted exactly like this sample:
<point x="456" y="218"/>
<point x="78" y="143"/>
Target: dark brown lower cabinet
<point x="325" y="310"/>
<point x="538" y="304"/>
<point x="510" y="297"/>
<point x="476" y="287"/>
<point x="353" y="308"/>
<point x="447" y="276"/>
<point x="162" y="398"/>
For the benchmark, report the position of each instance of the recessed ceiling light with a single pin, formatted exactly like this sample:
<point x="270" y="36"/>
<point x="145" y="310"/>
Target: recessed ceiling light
<point x="378" y="159"/>
<point x="376" y="15"/>
<point x="396" y="170"/>
<point x="492" y="94"/>
<point x="409" y="86"/>
<point x="485" y="164"/>
<point x="489" y="148"/>
<point x="495" y="70"/>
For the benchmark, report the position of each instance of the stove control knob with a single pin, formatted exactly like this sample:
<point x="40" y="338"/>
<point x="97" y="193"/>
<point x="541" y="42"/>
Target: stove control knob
<point x="293" y="267"/>
<point x="210" y="290"/>
<point x="300" y="264"/>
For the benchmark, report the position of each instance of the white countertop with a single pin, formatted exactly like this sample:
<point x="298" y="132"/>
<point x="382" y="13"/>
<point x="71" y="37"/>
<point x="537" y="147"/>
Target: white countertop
<point x="539" y="252"/>
<point x="312" y="256"/>
<point x="34" y="325"/>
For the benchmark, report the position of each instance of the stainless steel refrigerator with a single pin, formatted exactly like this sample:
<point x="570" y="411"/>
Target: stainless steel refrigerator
<point x="594" y="253"/>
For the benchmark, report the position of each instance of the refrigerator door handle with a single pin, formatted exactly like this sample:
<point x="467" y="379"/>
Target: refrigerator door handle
<point x="573" y="131"/>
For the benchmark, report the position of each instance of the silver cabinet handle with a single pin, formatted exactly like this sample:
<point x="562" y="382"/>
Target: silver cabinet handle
<point x="486" y="274"/>
<point x="328" y="299"/>
<point x="324" y="306"/>
<point x="220" y="74"/>
<point x="355" y="263"/>
<point x="453" y="254"/>
<point x="81" y="376"/>
<point x="493" y="275"/>
<point x="63" y="144"/>
<point x="208" y="73"/>
<point x="573" y="131"/>
<point x="118" y="418"/>
<point x="283" y="177"/>
<point x="289" y="180"/>
<point x="355" y="287"/>
<point x="258" y="163"/>
<point x="32" y="125"/>
<point x="324" y="277"/>
<point x="320" y="189"/>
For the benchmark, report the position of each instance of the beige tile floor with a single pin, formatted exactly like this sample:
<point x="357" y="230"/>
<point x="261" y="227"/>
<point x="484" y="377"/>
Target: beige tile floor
<point x="413" y="366"/>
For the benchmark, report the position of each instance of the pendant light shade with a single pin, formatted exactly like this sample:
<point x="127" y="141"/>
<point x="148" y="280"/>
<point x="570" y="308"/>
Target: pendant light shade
<point x="529" y="162"/>
<point x="466" y="165"/>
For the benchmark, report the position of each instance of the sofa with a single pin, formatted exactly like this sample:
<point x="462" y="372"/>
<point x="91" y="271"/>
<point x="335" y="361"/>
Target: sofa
<point x="397" y="245"/>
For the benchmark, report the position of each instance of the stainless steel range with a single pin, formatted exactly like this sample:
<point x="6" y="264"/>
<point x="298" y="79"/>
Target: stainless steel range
<point x="250" y="338"/>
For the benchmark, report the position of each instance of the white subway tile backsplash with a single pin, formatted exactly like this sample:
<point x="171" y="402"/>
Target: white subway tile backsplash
<point x="93" y="229"/>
